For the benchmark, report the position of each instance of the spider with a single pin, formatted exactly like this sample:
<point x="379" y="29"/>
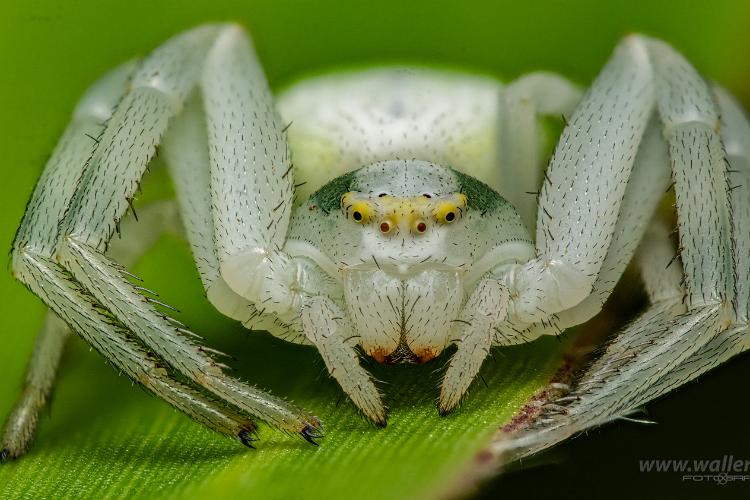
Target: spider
<point x="411" y="247"/>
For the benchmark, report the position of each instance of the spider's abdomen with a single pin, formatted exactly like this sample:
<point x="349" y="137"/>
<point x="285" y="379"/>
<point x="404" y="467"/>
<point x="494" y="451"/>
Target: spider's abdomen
<point x="348" y="119"/>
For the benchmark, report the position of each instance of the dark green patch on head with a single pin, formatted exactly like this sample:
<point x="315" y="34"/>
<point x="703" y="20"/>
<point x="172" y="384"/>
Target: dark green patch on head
<point x="328" y="197"/>
<point x="479" y="195"/>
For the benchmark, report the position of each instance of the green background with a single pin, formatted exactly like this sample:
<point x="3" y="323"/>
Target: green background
<point x="105" y="437"/>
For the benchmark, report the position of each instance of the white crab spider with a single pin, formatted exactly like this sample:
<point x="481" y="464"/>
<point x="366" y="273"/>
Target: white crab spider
<point x="405" y="252"/>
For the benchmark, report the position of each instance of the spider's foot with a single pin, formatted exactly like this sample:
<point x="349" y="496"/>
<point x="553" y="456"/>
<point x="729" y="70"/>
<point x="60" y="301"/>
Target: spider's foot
<point x="443" y="411"/>
<point x="448" y="404"/>
<point x="381" y="422"/>
<point x="448" y="401"/>
<point x="247" y="437"/>
<point x="450" y="398"/>
<point x="312" y="432"/>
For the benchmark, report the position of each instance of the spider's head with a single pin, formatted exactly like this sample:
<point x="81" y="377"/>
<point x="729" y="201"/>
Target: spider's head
<point x="402" y="213"/>
<point x="407" y="216"/>
<point x="405" y="239"/>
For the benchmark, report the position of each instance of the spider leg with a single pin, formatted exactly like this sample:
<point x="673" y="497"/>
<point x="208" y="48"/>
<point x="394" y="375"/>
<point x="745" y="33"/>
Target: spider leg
<point x="649" y="178"/>
<point x="582" y="198"/>
<point x="185" y="151"/>
<point x="486" y="308"/>
<point x="251" y="180"/>
<point x="521" y="138"/>
<point x="32" y="264"/>
<point x="691" y="125"/>
<point x="48" y="348"/>
<point x="579" y="205"/>
<point x="660" y="351"/>
<point x="97" y="327"/>
<point x="157" y="93"/>
<point x="659" y="340"/>
<point x="21" y="424"/>
<point x="251" y="176"/>
<point x="585" y="184"/>
<point x="713" y="241"/>
<point x="38" y="232"/>
<point x="648" y="181"/>
<point x="328" y="328"/>
<point x="735" y="134"/>
<point x="606" y="383"/>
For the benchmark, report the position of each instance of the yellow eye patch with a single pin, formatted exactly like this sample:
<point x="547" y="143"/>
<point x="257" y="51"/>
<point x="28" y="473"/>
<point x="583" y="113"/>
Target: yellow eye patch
<point x="360" y="210"/>
<point x="390" y="211"/>
<point x="447" y="211"/>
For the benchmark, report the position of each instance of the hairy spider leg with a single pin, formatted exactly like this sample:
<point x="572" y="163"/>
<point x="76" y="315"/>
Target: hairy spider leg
<point x="686" y="331"/>
<point x="65" y="265"/>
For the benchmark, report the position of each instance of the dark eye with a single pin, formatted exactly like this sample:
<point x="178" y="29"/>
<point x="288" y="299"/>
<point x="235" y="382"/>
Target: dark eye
<point x="357" y="216"/>
<point x="450" y="216"/>
<point x="427" y="195"/>
<point x="382" y="194"/>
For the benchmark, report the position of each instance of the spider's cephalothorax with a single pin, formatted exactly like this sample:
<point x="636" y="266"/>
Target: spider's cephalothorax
<point x="400" y="257"/>
<point x="404" y="240"/>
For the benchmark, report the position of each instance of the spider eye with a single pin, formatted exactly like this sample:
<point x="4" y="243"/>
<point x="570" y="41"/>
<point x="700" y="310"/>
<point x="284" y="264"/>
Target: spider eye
<point x="385" y="227"/>
<point x="421" y="227"/>
<point x="450" y="208"/>
<point x="361" y="211"/>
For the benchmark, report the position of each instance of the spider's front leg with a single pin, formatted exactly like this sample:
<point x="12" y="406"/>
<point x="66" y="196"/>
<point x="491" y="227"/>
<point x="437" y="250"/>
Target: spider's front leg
<point x="21" y="424"/>
<point x="63" y="263"/>
<point x="661" y="350"/>
<point x="251" y="194"/>
<point x="647" y="359"/>
<point x="677" y="338"/>
<point x="577" y="217"/>
<point x="159" y="89"/>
